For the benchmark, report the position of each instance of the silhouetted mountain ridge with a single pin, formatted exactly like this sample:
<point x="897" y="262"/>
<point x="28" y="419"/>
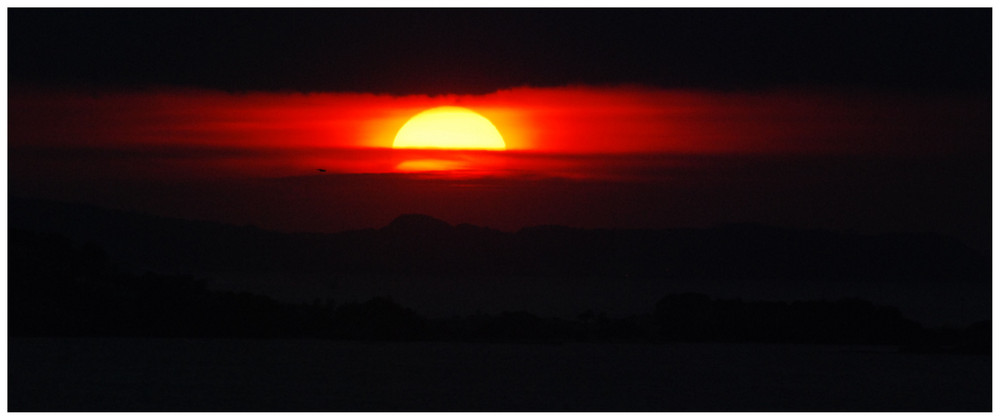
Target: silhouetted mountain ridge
<point x="417" y="224"/>
<point x="414" y="244"/>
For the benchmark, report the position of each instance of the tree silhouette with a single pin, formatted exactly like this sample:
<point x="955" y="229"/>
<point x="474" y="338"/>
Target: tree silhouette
<point x="60" y="288"/>
<point x="696" y="317"/>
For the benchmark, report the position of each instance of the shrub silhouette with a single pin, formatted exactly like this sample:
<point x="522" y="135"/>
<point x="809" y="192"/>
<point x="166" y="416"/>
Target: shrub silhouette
<point x="696" y="317"/>
<point x="59" y="288"/>
<point x="378" y="319"/>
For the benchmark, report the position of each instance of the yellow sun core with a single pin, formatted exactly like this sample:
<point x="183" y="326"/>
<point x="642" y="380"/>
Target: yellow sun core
<point x="449" y="127"/>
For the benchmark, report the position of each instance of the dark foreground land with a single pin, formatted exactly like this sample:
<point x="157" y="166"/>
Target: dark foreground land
<point x="88" y="333"/>
<point x="139" y="374"/>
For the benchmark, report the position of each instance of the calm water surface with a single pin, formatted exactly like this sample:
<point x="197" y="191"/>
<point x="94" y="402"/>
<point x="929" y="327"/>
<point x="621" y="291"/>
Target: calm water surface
<point x="314" y="375"/>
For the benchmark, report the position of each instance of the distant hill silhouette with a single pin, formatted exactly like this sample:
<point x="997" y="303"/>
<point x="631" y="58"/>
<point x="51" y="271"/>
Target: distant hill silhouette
<point x="551" y="271"/>
<point x="418" y="225"/>
<point x="61" y="288"/>
<point x="421" y="245"/>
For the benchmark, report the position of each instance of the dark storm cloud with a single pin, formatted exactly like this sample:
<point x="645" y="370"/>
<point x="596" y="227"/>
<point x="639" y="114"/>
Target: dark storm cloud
<point x="477" y="51"/>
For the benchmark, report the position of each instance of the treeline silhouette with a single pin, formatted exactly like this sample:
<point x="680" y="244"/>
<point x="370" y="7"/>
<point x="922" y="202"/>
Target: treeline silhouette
<point x="61" y="288"/>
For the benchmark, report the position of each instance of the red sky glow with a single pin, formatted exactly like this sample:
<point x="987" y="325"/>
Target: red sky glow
<point x="550" y="132"/>
<point x="626" y="156"/>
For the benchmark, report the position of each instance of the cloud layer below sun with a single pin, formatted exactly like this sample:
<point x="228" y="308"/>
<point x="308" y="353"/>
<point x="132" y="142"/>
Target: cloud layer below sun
<point x="550" y="132"/>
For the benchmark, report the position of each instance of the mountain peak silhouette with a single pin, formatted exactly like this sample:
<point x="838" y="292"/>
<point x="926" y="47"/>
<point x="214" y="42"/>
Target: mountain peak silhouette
<point x="417" y="224"/>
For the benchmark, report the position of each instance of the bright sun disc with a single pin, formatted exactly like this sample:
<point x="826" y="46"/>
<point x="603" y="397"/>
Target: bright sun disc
<point x="449" y="127"/>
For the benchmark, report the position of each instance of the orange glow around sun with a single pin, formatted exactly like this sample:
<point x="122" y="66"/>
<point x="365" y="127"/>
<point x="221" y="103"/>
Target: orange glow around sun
<point x="573" y="132"/>
<point x="449" y="127"/>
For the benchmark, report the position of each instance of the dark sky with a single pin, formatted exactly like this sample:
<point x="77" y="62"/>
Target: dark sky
<point x="481" y="50"/>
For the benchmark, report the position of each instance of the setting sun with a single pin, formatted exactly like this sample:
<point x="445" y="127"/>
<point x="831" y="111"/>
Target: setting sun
<point x="449" y="127"/>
